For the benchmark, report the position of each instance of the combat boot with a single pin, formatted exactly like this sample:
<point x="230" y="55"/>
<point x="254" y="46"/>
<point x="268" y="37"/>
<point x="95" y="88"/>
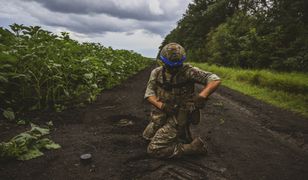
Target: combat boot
<point x="197" y="146"/>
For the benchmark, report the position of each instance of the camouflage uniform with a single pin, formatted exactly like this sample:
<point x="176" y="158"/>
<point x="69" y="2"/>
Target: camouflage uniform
<point x="166" y="133"/>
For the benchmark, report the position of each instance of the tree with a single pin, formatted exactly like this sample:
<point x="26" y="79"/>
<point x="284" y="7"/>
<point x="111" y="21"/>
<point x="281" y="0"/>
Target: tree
<point x="245" y="33"/>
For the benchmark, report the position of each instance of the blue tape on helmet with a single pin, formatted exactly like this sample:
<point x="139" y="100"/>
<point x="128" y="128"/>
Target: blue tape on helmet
<point x="171" y="63"/>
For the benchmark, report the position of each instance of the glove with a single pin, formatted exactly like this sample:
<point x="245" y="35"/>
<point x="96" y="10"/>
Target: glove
<point x="168" y="108"/>
<point x="199" y="101"/>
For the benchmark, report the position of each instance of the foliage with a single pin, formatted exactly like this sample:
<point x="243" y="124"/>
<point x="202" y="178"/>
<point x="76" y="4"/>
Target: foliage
<point x="40" y="70"/>
<point x="9" y="114"/>
<point x="286" y="90"/>
<point x="254" y="34"/>
<point x="27" y="145"/>
<point x="233" y="43"/>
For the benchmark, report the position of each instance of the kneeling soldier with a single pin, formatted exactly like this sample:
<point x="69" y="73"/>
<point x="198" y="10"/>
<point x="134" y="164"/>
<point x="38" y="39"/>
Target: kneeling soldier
<point x="170" y="90"/>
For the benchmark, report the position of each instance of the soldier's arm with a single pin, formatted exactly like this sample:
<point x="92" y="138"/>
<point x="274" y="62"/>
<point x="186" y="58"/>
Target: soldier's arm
<point x="150" y="93"/>
<point x="209" y="80"/>
<point x="155" y="102"/>
<point x="209" y="88"/>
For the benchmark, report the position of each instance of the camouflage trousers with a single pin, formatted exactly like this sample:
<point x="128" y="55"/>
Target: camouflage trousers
<point x="166" y="136"/>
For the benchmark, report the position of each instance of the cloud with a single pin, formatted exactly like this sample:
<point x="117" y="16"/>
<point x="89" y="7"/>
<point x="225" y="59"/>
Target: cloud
<point x="139" y="41"/>
<point x="158" y="10"/>
<point x="95" y="23"/>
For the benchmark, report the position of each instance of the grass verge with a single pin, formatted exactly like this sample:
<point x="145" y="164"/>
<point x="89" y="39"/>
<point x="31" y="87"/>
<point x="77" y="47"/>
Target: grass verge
<point x="284" y="90"/>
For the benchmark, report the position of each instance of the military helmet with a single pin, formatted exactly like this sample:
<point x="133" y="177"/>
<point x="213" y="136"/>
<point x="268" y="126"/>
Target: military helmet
<point x="172" y="55"/>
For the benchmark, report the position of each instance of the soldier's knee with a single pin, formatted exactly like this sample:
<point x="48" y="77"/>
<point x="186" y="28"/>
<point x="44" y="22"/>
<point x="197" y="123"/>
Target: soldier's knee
<point x="150" y="131"/>
<point x="152" y="151"/>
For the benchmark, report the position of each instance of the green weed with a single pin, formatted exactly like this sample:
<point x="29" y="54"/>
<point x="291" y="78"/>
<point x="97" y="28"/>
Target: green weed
<point x="285" y="90"/>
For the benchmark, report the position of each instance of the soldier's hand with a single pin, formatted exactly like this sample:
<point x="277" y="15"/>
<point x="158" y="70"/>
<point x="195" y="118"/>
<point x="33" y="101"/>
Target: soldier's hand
<point x="169" y="108"/>
<point x="199" y="101"/>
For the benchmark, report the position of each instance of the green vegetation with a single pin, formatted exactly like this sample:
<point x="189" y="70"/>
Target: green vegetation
<point x="254" y="34"/>
<point x="27" y="145"/>
<point x="40" y="70"/>
<point x="285" y="90"/>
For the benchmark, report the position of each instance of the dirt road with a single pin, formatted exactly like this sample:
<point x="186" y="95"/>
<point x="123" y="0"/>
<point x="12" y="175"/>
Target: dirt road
<point x="247" y="140"/>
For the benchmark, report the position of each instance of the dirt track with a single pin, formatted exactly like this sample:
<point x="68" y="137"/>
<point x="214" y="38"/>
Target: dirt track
<point x="247" y="140"/>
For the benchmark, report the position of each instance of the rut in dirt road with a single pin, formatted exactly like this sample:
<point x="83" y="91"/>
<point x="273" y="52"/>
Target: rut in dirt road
<point x="247" y="139"/>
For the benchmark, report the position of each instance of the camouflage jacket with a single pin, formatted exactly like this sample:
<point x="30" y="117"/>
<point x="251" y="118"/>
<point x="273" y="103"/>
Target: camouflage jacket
<point x="179" y="86"/>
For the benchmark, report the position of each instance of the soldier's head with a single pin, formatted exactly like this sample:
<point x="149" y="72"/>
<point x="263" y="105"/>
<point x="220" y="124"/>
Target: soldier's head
<point x="172" y="56"/>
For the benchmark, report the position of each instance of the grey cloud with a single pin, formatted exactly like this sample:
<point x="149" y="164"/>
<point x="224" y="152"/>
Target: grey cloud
<point x="87" y="25"/>
<point x="161" y="29"/>
<point x="98" y="23"/>
<point x="129" y="33"/>
<point x="139" y="10"/>
<point x="91" y="21"/>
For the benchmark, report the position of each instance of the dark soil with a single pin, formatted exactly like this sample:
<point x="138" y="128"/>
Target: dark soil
<point x="247" y="139"/>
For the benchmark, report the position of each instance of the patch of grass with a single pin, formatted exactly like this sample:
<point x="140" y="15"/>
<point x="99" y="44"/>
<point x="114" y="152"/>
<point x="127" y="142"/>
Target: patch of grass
<point x="285" y="90"/>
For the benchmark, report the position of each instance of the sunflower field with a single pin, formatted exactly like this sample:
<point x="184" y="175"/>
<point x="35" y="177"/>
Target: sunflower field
<point x="40" y="70"/>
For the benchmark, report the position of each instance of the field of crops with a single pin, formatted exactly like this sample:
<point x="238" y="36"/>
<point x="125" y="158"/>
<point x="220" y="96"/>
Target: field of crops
<point x="286" y="90"/>
<point x="40" y="70"/>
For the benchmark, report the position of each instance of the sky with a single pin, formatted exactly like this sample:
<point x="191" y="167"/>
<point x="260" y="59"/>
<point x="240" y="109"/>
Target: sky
<point x="138" y="25"/>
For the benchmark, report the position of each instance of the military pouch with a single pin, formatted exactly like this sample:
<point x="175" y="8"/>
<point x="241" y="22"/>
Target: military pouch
<point x="195" y="116"/>
<point x="182" y="117"/>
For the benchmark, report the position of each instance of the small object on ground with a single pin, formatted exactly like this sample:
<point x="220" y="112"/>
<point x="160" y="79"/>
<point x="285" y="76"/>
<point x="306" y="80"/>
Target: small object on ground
<point x="85" y="158"/>
<point x="125" y="122"/>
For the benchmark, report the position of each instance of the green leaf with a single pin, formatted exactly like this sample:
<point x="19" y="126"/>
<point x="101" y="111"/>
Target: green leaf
<point x="88" y="75"/>
<point x="19" y="76"/>
<point x="84" y="60"/>
<point x="30" y="154"/>
<point x="38" y="131"/>
<point x="3" y="79"/>
<point x="47" y="143"/>
<point x="21" y="122"/>
<point x="6" y="66"/>
<point x="67" y="94"/>
<point x="56" y="65"/>
<point x="94" y="86"/>
<point x="52" y="146"/>
<point x="49" y="124"/>
<point x="9" y="114"/>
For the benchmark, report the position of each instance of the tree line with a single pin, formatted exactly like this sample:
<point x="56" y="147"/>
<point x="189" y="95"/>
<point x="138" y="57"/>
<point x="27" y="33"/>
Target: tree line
<point x="252" y="34"/>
